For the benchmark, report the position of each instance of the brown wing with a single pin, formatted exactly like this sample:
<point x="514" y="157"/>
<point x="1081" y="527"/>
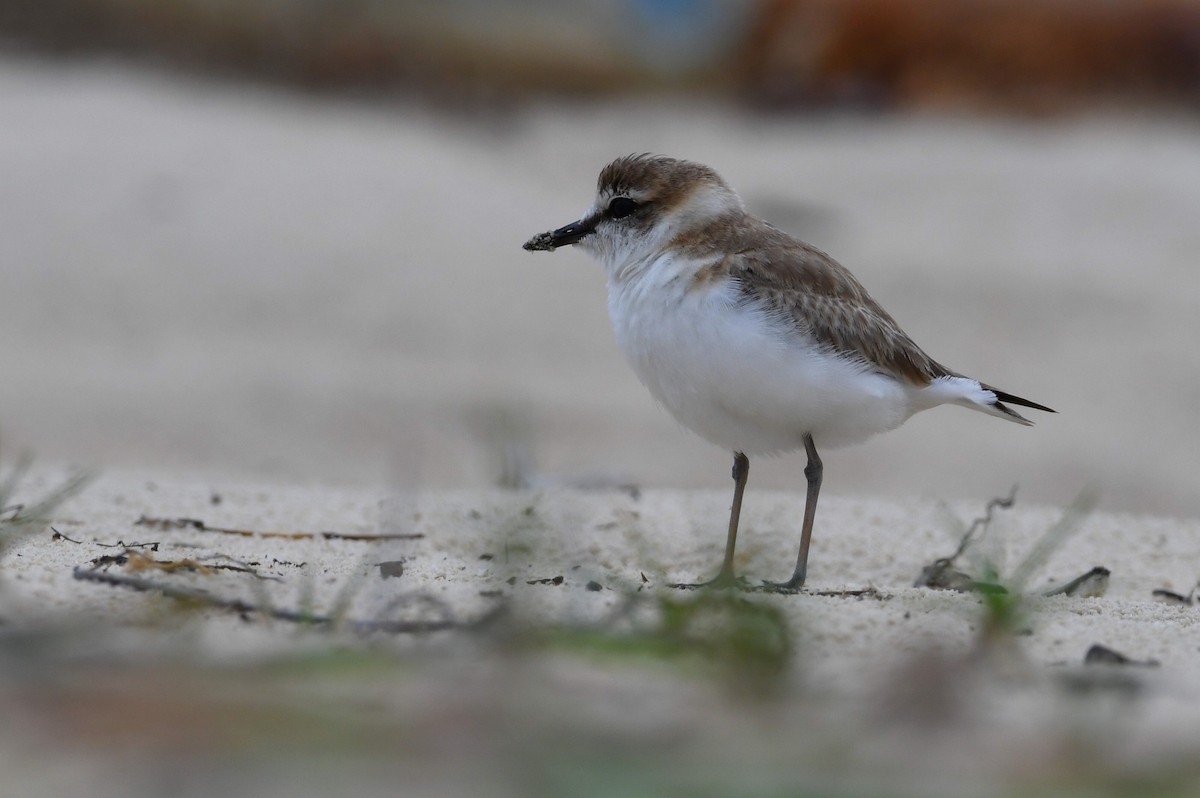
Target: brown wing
<point x="804" y="287"/>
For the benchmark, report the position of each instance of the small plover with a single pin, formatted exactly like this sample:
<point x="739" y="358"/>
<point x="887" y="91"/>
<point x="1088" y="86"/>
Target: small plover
<point x="755" y="340"/>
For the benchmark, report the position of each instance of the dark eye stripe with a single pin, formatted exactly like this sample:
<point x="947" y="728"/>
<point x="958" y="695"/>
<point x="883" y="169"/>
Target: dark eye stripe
<point x="621" y="207"/>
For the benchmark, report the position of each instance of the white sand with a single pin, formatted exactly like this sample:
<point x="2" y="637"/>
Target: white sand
<point x="898" y="683"/>
<point x="615" y="539"/>
<point x="213" y="290"/>
<point x="899" y="659"/>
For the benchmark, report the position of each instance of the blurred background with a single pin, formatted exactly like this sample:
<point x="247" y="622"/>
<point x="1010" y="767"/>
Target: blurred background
<point x="282" y="238"/>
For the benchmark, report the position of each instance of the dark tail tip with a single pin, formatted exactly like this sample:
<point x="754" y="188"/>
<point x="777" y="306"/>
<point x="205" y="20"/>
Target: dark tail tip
<point x="1001" y="396"/>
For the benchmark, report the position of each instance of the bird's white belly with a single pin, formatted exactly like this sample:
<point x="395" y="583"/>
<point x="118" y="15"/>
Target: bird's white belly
<point x="742" y="381"/>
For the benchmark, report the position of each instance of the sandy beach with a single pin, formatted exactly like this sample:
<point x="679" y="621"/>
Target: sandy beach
<point x="252" y="311"/>
<point x="515" y="642"/>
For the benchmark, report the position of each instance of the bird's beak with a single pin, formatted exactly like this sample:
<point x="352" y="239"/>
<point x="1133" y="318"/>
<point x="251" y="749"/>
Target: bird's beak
<point x="568" y="234"/>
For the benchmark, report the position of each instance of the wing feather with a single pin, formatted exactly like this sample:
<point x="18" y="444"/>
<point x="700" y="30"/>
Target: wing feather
<point x="810" y="291"/>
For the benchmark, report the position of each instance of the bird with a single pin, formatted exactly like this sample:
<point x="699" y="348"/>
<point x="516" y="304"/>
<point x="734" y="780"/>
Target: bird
<point x="757" y="341"/>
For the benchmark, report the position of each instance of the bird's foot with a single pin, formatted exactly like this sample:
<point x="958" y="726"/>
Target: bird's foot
<point x="723" y="581"/>
<point x="790" y="587"/>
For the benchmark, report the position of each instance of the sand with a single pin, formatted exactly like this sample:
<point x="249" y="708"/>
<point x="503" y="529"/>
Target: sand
<point x="278" y="313"/>
<point x="519" y="612"/>
<point x="470" y="550"/>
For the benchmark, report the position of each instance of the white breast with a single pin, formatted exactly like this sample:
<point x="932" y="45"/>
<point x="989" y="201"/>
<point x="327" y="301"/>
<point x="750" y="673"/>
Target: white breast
<point x="736" y="377"/>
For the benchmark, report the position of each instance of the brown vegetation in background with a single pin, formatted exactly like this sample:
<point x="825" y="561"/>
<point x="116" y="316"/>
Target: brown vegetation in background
<point x="1025" y="55"/>
<point x="1013" y="55"/>
<point x="321" y="44"/>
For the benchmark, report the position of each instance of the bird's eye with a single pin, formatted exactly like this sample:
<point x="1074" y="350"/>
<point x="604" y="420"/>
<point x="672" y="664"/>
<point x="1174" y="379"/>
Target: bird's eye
<point x="621" y="207"/>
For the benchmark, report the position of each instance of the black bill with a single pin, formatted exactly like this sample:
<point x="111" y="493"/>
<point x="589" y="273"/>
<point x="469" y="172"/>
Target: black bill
<point x="561" y="237"/>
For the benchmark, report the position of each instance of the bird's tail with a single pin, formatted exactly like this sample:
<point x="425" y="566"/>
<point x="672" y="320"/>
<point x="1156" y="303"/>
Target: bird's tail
<point x="1002" y="397"/>
<point x="978" y="396"/>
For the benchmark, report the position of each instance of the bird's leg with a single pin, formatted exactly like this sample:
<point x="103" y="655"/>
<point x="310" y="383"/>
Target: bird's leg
<point x="741" y="473"/>
<point x="725" y="577"/>
<point x="812" y="472"/>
